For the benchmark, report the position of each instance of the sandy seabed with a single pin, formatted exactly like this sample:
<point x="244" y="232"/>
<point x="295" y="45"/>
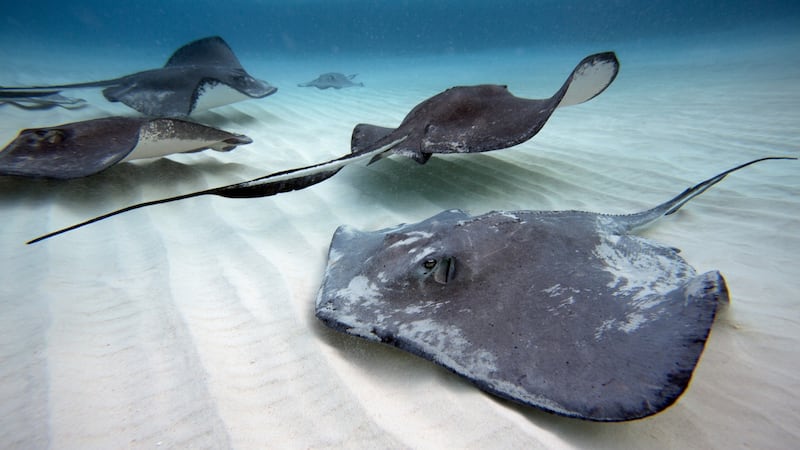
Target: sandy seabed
<point x="191" y="324"/>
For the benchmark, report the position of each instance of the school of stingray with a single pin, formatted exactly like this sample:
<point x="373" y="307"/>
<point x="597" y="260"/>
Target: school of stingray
<point x="559" y="310"/>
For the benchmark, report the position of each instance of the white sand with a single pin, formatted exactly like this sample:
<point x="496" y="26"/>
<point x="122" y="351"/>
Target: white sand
<point x="191" y="324"/>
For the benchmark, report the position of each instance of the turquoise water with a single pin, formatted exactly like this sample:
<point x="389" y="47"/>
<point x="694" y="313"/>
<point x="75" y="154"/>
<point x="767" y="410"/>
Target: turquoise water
<point x="395" y="28"/>
<point x="191" y="324"/>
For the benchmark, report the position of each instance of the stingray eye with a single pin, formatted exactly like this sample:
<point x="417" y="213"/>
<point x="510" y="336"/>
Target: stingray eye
<point x="54" y="137"/>
<point x="429" y="263"/>
<point x="49" y="136"/>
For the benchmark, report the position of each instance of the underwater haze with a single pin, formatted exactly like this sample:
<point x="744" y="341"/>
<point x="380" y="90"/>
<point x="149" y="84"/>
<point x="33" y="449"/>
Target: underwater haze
<point x="191" y="324"/>
<point x="301" y="27"/>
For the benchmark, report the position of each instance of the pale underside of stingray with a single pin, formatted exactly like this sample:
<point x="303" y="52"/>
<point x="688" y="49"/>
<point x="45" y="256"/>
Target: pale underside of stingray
<point x="566" y="311"/>
<point x="202" y="74"/>
<point x="460" y="119"/>
<point x="80" y="149"/>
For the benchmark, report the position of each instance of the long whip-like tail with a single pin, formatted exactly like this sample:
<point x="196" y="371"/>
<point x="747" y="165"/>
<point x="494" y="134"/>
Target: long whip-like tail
<point x="644" y="218"/>
<point x="275" y="183"/>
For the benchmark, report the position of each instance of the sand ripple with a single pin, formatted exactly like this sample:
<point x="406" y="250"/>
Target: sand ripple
<point x="191" y="324"/>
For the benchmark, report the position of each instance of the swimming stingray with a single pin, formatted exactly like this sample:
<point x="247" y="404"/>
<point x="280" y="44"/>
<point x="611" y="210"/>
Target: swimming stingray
<point x="79" y="149"/>
<point x="469" y="119"/>
<point x="332" y="80"/>
<point x="566" y="311"/>
<point x="200" y="75"/>
<point x="461" y="119"/>
<point x="39" y="100"/>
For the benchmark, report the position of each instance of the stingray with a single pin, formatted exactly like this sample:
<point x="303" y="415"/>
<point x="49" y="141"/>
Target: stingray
<point x="332" y="80"/>
<point x="200" y="75"/>
<point x="470" y="119"/>
<point x="79" y="149"/>
<point x="461" y="119"/>
<point x="36" y="100"/>
<point x="566" y="311"/>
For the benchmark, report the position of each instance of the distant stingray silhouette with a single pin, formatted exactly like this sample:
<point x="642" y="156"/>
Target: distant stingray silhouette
<point x="332" y="80"/>
<point x="200" y="75"/>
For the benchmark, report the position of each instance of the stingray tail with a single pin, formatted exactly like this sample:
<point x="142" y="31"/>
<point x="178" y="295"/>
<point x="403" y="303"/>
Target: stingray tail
<point x="119" y="211"/>
<point x="645" y="218"/>
<point x="272" y="184"/>
<point x="41" y="100"/>
<point x="37" y="90"/>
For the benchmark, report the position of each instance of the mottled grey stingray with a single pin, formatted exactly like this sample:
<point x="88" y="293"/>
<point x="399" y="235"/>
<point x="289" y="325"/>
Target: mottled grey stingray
<point x="200" y="75"/>
<point x="332" y="80"/>
<point x="461" y="119"/>
<point x="84" y="148"/>
<point x="566" y="311"/>
<point x="469" y="119"/>
<point x="36" y="100"/>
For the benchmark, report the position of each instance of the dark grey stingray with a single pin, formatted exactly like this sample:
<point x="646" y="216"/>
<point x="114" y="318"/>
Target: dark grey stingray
<point x="566" y="311"/>
<point x="332" y="80"/>
<point x="470" y="119"/>
<point x="39" y="100"/>
<point x="200" y="75"/>
<point x="79" y="149"/>
<point x="461" y="119"/>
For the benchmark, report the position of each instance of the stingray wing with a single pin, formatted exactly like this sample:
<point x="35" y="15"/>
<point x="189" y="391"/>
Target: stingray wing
<point x="580" y="358"/>
<point x="473" y="119"/>
<point x="70" y="150"/>
<point x="210" y="51"/>
<point x="589" y="79"/>
<point x="169" y="92"/>
<point x="488" y="117"/>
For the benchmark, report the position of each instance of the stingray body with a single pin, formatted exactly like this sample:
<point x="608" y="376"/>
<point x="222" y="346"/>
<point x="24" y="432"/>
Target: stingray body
<point x="200" y="75"/>
<point x="333" y="80"/>
<point x="469" y="119"/>
<point x="36" y="100"/>
<point x="566" y="311"/>
<point x="79" y="149"/>
<point x="461" y="119"/>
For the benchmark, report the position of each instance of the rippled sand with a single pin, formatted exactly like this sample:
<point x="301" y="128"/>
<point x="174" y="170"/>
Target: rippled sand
<point x="191" y="324"/>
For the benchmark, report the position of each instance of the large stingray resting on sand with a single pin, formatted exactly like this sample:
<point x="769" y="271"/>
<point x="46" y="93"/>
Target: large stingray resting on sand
<point x="200" y="75"/>
<point x="79" y="149"/>
<point x="566" y="311"/>
<point x="461" y="119"/>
